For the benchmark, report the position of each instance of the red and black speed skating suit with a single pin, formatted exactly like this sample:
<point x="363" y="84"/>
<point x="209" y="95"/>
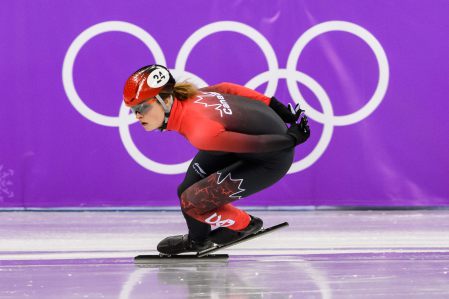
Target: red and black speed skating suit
<point x="243" y="148"/>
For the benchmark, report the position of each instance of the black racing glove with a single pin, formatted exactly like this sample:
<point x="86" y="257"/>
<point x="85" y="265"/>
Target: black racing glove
<point x="300" y="131"/>
<point x="284" y="113"/>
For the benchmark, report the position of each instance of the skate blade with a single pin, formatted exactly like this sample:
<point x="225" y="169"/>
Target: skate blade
<point x="260" y="233"/>
<point x="162" y="258"/>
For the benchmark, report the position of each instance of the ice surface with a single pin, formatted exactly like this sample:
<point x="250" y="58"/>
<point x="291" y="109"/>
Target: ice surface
<point x="322" y="254"/>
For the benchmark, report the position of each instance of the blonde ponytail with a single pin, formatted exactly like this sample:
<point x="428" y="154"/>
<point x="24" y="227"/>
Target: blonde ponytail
<point x="184" y="90"/>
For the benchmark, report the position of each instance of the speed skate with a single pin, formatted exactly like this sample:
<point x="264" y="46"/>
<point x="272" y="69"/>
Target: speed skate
<point x="208" y="253"/>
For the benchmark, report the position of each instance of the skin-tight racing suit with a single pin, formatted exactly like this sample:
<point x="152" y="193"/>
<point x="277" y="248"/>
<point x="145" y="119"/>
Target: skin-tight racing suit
<point x="243" y="148"/>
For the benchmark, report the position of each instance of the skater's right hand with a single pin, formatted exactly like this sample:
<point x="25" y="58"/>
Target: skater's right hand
<point x="300" y="131"/>
<point x="296" y="113"/>
<point x="284" y="112"/>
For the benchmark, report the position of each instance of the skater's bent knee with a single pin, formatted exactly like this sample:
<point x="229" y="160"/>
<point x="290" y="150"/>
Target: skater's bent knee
<point x="196" y="200"/>
<point x="186" y="204"/>
<point x="190" y="208"/>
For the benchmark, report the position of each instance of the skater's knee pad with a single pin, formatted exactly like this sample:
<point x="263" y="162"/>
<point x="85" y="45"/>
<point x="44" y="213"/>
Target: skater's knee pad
<point x="194" y="204"/>
<point x="188" y="207"/>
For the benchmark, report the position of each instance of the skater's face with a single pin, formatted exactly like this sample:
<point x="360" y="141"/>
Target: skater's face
<point x="150" y="114"/>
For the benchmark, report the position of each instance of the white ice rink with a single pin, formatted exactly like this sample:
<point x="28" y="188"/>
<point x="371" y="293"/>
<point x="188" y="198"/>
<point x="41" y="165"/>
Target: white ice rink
<point x="322" y="254"/>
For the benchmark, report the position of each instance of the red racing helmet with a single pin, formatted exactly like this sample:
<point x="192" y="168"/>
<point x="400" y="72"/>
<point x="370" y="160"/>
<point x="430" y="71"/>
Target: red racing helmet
<point x="147" y="82"/>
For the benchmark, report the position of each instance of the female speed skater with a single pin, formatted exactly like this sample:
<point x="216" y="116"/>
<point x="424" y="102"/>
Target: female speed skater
<point x="244" y="147"/>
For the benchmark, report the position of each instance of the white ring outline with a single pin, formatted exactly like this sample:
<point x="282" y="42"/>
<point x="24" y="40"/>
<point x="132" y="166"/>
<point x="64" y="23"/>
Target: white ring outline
<point x="382" y="61"/>
<point x="75" y="47"/>
<point x="325" y="102"/>
<point x="223" y="26"/>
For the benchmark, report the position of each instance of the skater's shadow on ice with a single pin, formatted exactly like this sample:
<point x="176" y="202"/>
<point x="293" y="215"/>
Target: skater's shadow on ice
<point x="242" y="277"/>
<point x="195" y="278"/>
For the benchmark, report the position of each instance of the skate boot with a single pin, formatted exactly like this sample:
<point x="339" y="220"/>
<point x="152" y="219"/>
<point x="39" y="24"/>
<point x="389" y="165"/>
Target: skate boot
<point x="223" y="235"/>
<point x="180" y="244"/>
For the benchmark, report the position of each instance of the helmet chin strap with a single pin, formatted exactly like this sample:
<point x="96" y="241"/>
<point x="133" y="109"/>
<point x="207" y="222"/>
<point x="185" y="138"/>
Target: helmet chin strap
<point x="167" y="110"/>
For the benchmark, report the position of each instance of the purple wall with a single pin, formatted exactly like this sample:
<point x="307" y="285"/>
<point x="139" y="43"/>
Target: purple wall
<point x="373" y="75"/>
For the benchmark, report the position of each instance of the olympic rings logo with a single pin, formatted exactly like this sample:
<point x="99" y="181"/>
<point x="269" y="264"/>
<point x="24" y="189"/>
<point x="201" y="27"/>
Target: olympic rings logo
<point x="271" y="76"/>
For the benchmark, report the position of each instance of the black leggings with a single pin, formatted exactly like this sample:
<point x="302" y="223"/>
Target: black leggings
<point x="240" y="175"/>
